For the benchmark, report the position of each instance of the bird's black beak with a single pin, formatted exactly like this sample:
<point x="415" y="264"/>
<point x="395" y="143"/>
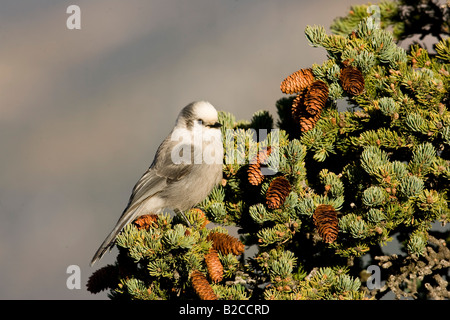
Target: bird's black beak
<point x="215" y="125"/>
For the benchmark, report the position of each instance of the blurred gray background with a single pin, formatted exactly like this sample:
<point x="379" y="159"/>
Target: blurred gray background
<point x="82" y="112"/>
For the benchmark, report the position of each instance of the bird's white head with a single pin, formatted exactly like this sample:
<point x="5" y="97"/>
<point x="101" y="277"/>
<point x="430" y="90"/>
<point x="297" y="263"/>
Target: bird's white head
<point x="200" y="111"/>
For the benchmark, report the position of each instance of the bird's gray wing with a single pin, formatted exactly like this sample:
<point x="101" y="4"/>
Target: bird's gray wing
<point x="162" y="171"/>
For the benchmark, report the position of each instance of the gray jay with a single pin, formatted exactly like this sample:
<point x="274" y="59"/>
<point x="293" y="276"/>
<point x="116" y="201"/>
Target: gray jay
<point x="186" y="167"/>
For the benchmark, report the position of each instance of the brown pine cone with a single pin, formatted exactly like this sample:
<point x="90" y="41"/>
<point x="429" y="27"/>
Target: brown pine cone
<point x="278" y="190"/>
<point x="215" y="268"/>
<point x="307" y="122"/>
<point x="145" y="221"/>
<point x="352" y="80"/>
<point x="225" y="243"/>
<point x="304" y="118"/>
<point x="297" y="81"/>
<point x="201" y="286"/>
<point x="298" y="106"/>
<point x="326" y="221"/>
<point x="316" y="96"/>
<point x="255" y="176"/>
<point x="102" y="279"/>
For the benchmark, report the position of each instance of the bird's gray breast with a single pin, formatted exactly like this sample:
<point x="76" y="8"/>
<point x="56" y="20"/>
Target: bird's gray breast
<point x="190" y="182"/>
<point x="185" y="193"/>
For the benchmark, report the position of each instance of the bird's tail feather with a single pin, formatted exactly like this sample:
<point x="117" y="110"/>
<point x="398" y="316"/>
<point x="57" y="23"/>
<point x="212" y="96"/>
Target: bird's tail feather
<point x="126" y="218"/>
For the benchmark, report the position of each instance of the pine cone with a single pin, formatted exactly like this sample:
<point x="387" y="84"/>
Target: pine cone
<point x="102" y="279"/>
<point x="352" y="80"/>
<point x="215" y="268"/>
<point x="307" y="122"/>
<point x="225" y="243"/>
<point x="278" y="190"/>
<point x="326" y="221"/>
<point x="304" y="118"/>
<point x="297" y="81"/>
<point x="298" y="107"/>
<point x="145" y="221"/>
<point x="201" y="286"/>
<point x="316" y="96"/>
<point x="255" y="176"/>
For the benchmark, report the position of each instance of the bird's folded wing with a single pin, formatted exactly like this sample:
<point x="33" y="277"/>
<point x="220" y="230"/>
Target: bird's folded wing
<point x="162" y="171"/>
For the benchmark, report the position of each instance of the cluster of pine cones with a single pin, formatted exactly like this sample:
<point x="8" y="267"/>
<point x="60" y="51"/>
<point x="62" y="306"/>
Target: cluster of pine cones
<point x="307" y="107"/>
<point x="224" y="244"/>
<point x="312" y="94"/>
<point x="324" y="217"/>
<point x="279" y="188"/>
<point x="107" y="277"/>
